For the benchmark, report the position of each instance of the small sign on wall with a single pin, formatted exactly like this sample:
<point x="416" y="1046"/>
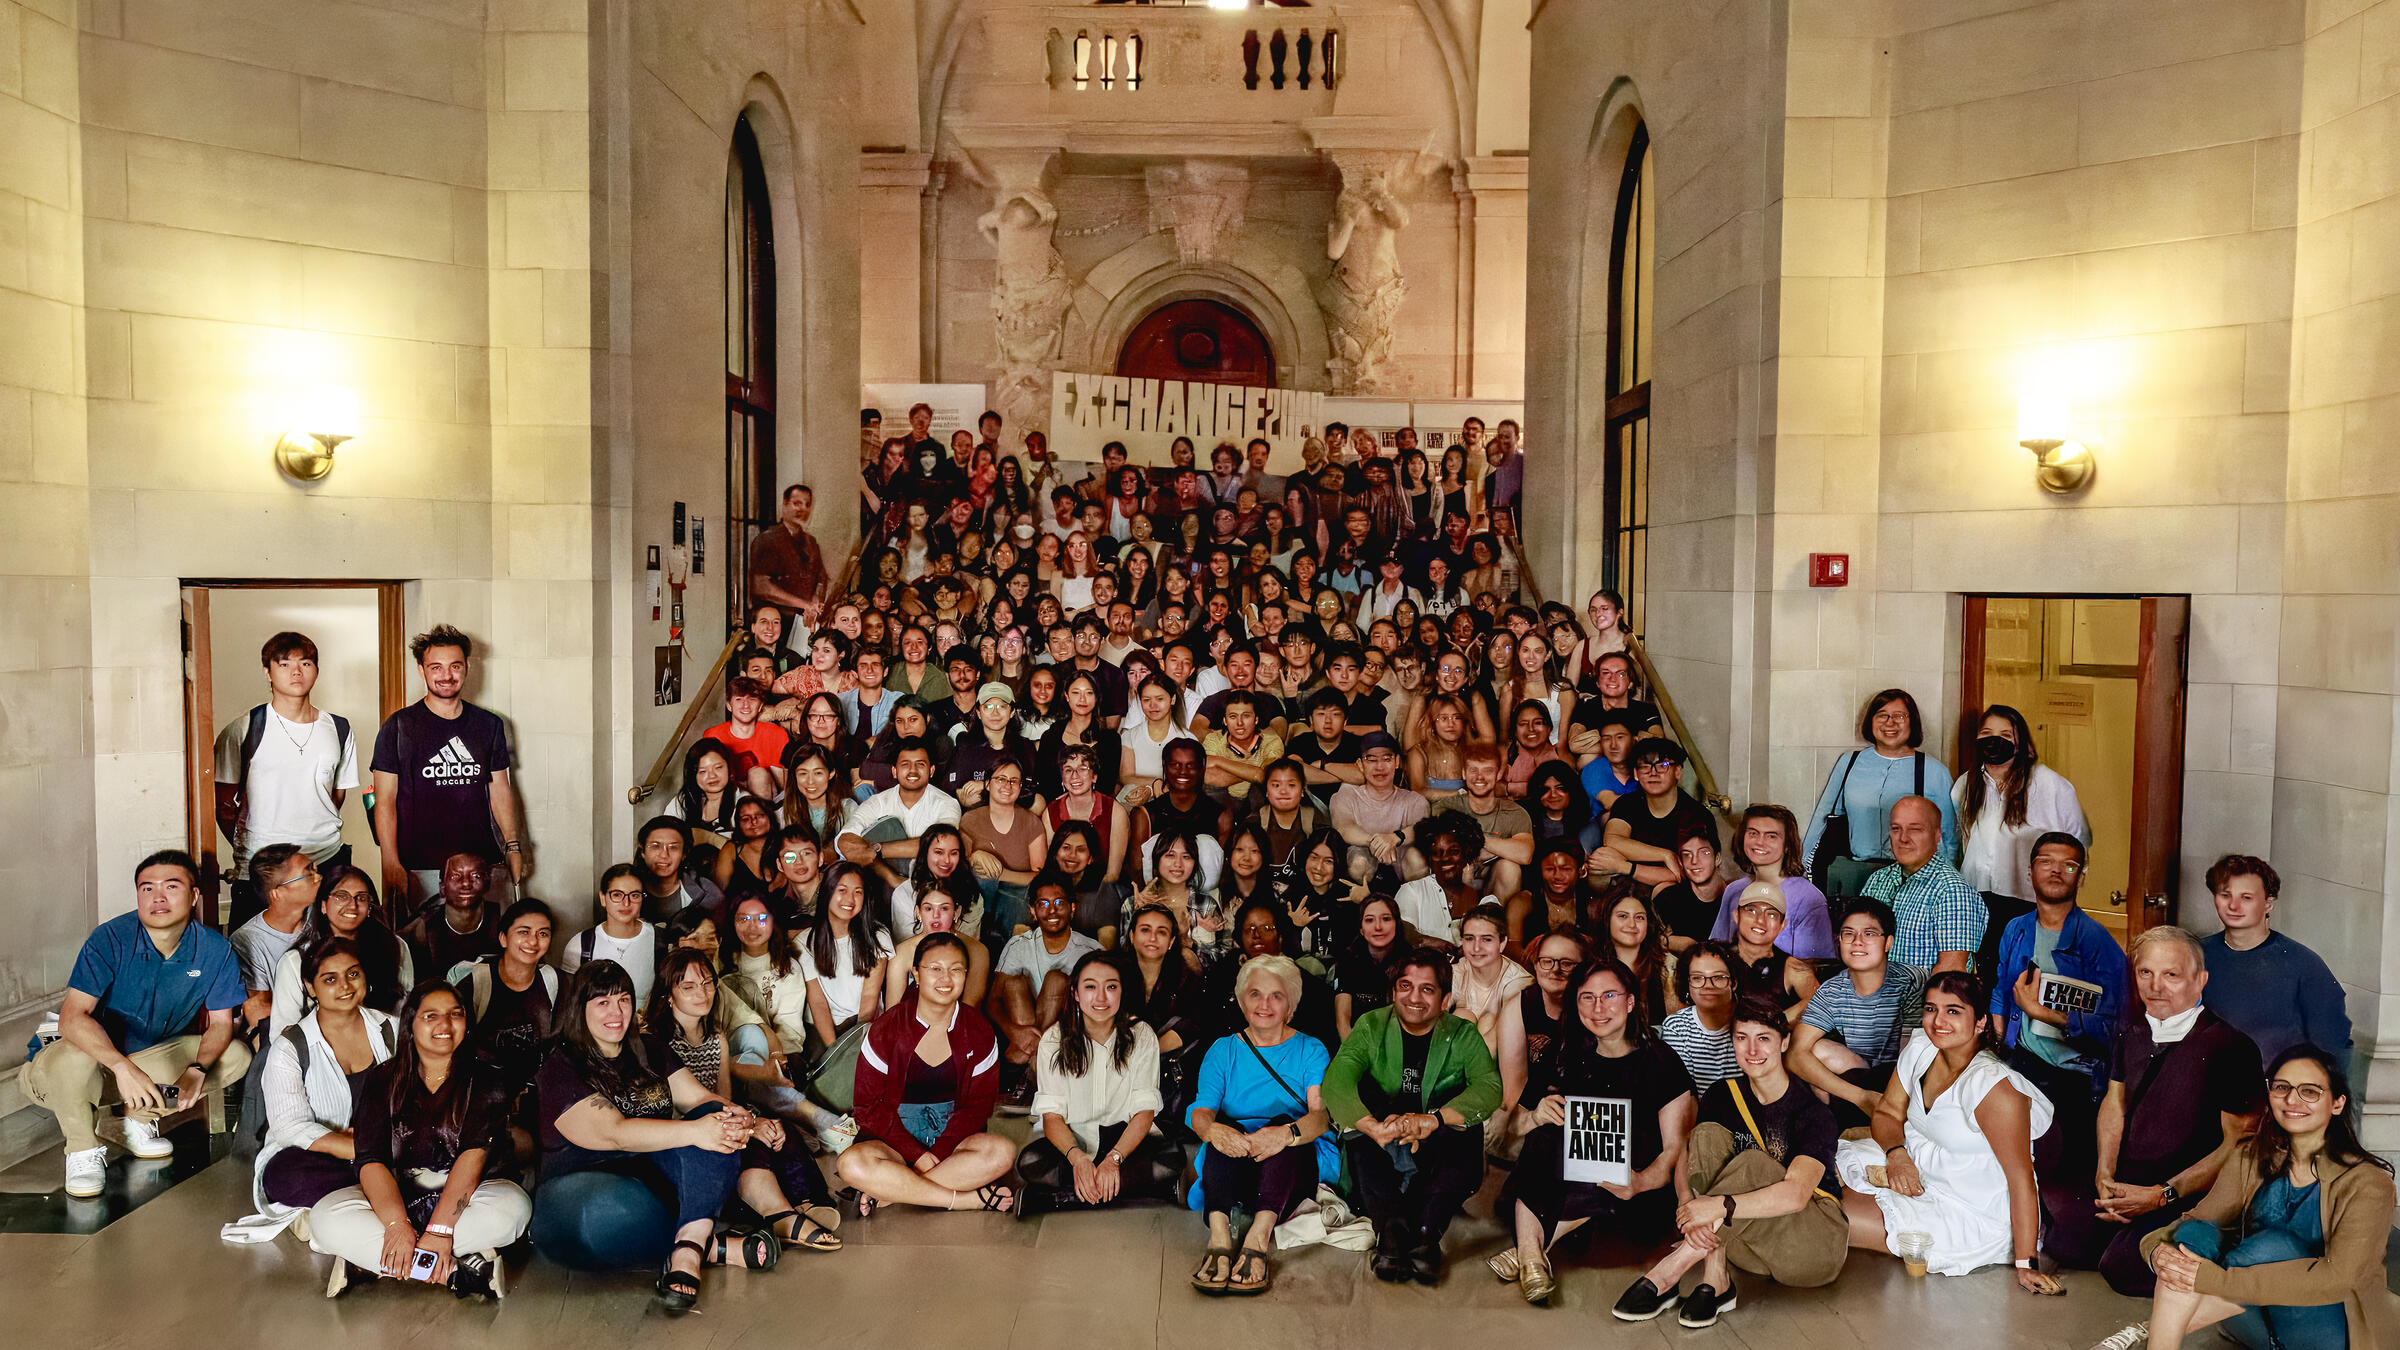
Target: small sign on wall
<point x="666" y="683"/>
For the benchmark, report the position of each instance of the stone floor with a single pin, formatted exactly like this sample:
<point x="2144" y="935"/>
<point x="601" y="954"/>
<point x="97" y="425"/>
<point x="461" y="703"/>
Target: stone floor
<point x="963" y="1282"/>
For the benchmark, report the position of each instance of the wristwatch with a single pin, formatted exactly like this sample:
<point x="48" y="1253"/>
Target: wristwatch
<point x="1294" y="1127"/>
<point x="2166" y="1195"/>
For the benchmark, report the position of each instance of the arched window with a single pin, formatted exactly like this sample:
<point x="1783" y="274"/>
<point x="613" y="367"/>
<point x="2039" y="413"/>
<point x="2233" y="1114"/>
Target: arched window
<point x="749" y="360"/>
<point x="1625" y="500"/>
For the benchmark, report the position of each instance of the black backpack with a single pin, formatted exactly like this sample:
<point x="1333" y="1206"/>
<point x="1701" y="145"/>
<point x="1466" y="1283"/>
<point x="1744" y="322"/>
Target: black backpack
<point x="256" y="733"/>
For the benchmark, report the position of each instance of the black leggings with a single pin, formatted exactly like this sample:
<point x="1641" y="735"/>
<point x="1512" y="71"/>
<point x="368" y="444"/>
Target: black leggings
<point x="1274" y="1186"/>
<point x="1538" y="1183"/>
<point x="1145" y="1176"/>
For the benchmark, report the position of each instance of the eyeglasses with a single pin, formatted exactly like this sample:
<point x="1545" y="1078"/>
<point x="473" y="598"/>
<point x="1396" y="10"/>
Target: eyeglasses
<point x="624" y="895"/>
<point x="1555" y="964"/>
<point x="1607" y="995"/>
<point x="1711" y="981"/>
<point x="2058" y="865"/>
<point x="2307" y="1094"/>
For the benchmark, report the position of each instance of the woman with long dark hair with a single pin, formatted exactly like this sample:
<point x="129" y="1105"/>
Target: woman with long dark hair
<point x="846" y="952"/>
<point x="1096" y="1092"/>
<point x="709" y="794"/>
<point x="2008" y="800"/>
<point x="308" y="1150"/>
<point x="2286" y="1249"/>
<point x="1952" y="1155"/>
<point x="1554" y="797"/>
<point x="1629" y="925"/>
<point x="747" y="862"/>
<point x="928" y="1075"/>
<point x="1601" y="1050"/>
<point x="1557" y="900"/>
<point x="345" y="907"/>
<point x="616" y="1103"/>
<point x="688" y="1015"/>
<point x="429" y="1127"/>
<point x="822" y="795"/>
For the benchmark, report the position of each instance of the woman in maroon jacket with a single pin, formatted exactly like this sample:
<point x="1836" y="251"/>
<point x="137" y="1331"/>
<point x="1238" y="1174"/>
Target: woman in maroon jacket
<point x="928" y="1074"/>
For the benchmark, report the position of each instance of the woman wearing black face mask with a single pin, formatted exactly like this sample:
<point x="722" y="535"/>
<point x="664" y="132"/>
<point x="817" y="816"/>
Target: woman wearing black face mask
<point x="2007" y="802"/>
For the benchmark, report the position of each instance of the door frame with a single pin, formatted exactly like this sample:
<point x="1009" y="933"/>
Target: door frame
<point x="2154" y="855"/>
<point x="199" y="698"/>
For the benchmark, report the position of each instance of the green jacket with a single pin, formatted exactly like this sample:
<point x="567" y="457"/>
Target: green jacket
<point x="1459" y="1072"/>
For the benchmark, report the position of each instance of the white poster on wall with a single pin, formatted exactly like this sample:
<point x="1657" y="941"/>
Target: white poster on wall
<point x="954" y="406"/>
<point x="1089" y="411"/>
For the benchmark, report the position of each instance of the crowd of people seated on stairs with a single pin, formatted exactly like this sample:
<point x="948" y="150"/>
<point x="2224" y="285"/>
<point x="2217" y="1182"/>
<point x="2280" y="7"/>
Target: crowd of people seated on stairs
<point x="1255" y="912"/>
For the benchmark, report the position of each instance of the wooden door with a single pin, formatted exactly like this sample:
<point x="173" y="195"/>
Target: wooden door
<point x="2158" y="764"/>
<point x="200" y="748"/>
<point x="1198" y="340"/>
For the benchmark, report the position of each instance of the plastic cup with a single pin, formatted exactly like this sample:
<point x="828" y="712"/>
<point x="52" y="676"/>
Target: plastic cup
<point x="1912" y="1248"/>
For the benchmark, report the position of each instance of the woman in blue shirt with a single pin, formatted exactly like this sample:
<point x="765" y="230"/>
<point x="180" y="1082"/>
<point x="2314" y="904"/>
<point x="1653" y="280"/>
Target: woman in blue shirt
<point x="1261" y="1119"/>
<point x="1866" y="782"/>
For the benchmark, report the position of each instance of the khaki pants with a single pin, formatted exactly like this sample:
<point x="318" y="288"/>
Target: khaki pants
<point x="343" y="1224"/>
<point x="1803" y="1250"/>
<point x="72" y="1086"/>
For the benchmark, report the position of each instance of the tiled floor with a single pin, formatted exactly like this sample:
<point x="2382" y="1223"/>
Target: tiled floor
<point x="963" y="1282"/>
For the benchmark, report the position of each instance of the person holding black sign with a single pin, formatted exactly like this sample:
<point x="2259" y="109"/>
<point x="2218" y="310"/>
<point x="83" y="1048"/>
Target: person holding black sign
<point x="1757" y="1184"/>
<point x="1611" y="1104"/>
<point x="1410" y="1089"/>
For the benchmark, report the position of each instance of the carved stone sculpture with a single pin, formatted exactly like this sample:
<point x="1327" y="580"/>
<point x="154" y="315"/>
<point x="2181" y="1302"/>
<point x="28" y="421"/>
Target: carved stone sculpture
<point x="1030" y="293"/>
<point x="1202" y="201"/>
<point x="1361" y="299"/>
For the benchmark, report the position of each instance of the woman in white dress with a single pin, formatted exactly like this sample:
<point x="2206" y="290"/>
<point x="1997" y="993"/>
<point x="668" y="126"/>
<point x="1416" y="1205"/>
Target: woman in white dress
<point x="1952" y="1156"/>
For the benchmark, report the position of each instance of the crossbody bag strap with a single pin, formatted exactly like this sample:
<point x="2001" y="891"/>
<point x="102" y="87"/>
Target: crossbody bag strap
<point x="1742" y="1104"/>
<point x="1300" y="1098"/>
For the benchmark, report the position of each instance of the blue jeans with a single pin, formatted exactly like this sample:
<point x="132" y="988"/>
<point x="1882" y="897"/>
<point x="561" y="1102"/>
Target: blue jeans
<point x="2324" y="1327"/>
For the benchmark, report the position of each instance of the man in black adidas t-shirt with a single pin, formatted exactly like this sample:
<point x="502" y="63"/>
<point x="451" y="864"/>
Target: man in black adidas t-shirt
<point x="441" y="771"/>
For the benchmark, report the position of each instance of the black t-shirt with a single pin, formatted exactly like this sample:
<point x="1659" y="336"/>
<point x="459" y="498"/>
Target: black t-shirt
<point x="972" y="761"/>
<point x="435" y="947"/>
<point x="1796" y="1125"/>
<point x="1639" y="716"/>
<point x="445" y="767"/>
<point x="1201" y="820"/>
<point x="1661" y="831"/>
<point x="1685" y="914"/>
<point x="419" y="1137"/>
<point x="1650" y="1078"/>
<point x="1111" y="680"/>
<point x="1108" y="757"/>
<point x="2173" y="1094"/>
<point x="1413" y="1050"/>
<point x="1308" y="750"/>
<point x="1366" y="708"/>
<point x="1364" y="977"/>
<point x="638" y="1090"/>
<point x="512" y="1028"/>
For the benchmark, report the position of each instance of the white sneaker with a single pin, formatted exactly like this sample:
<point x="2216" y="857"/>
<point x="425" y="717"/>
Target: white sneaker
<point x="87" y="1172"/>
<point x="839" y="1135"/>
<point x="142" y="1140"/>
<point x="2137" y="1334"/>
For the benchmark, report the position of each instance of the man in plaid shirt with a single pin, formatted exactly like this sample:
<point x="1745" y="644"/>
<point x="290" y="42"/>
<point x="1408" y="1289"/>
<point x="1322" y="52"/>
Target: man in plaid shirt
<point x="1941" y="917"/>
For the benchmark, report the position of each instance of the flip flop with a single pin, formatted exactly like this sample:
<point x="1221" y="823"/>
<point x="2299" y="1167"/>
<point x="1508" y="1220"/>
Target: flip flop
<point x="1202" y="1278"/>
<point x="1245" y="1287"/>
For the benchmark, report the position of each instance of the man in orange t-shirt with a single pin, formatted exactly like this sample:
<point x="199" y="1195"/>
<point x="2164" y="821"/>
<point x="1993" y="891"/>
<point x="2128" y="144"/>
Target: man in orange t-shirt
<point x="757" y="746"/>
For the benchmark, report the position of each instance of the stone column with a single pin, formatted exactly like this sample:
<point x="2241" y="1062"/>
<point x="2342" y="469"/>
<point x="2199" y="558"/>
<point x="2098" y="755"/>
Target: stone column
<point x="1496" y="338"/>
<point x="891" y="188"/>
<point x="1030" y="286"/>
<point x="1361" y="294"/>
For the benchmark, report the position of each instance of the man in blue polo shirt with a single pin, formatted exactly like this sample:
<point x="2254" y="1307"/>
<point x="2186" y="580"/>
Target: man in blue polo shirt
<point x="150" y="1005"/>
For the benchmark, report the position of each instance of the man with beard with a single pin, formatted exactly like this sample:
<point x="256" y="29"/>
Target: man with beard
<point x="441" y="771"/>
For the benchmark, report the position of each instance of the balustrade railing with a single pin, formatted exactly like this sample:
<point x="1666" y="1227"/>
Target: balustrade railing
<point x="1106" y="58"/>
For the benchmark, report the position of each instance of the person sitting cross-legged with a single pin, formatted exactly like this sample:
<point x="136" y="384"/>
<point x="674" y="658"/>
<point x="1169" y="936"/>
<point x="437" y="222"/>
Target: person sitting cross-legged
<point x="1757" y="1183"/>
<point x="928" y="1073"/>
<point x="429" y="1128"/>
<point x="1410" y="1088"/>
<point x="148" y="1020"/>
<point x="1095" y="1098"/>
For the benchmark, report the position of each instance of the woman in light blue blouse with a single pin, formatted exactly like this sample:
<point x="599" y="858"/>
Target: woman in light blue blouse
<point x="1866" y="782"/>
<point x="1260" y="1116"/>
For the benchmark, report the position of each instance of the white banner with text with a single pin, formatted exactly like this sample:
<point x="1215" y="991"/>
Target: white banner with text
<point x="1089" y="411"/>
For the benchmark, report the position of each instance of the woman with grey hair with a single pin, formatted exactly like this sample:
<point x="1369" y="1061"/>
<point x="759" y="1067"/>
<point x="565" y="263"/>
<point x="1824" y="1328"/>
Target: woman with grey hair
<point x="1260" y="1116"/>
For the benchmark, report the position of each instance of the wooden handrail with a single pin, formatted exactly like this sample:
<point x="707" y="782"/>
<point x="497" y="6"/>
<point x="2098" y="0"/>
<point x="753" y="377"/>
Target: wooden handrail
<point x="695" y="700"/>
<point x="1711" y="795"/>
<point x="703" y="697"/>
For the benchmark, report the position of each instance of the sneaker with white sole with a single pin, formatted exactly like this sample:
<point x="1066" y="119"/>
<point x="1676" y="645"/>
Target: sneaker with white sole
<point x="2137" y="1334"/>
<point x="87" y="1172"/>
<point x="143" y="1140"/>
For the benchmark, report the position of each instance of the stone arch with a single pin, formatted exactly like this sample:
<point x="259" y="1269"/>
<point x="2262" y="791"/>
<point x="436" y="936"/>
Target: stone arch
<point x="780" y="153"/>
<point x="1122" y="289"/>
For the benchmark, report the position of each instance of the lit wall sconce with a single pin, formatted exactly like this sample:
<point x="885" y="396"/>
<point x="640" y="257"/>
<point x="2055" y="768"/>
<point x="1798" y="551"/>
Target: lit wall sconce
<point x="2044" y="426"/>
<point x="327" y="418"/>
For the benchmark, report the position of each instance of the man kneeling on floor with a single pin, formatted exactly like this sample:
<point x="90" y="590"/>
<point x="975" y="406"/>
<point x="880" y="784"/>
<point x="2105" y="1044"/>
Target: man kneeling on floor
<point x="148" y="1021"/>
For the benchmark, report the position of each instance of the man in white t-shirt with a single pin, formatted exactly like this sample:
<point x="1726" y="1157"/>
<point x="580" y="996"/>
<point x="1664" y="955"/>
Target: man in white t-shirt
<point x="1031" y="991"/>
<point x="886" y="828"/>
<point x="621" y="937"/>
<point x="282" y="769"/>
<point x="286" y="879"/>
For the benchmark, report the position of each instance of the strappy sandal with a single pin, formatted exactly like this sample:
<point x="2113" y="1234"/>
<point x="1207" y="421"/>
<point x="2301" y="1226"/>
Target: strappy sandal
<point x="760" y="1248"/>
<point x="1211" y="1277"/>
<point x="865" y="1202"/>
<point x="1241" y="1283"/>
<point x="827" y="1217"/>
<point x="806" y="1232"/>
<point x="992" y="1199"/>
<point x="680" y="1292"/>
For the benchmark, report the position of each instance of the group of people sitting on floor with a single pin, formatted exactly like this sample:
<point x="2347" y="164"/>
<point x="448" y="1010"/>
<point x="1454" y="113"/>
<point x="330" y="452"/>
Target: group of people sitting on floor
<point x="1278" y="969"/>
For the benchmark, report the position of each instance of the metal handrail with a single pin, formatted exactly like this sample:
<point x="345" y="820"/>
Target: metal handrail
<point x="1710" y="794"/>
<point x="703" y="697"/>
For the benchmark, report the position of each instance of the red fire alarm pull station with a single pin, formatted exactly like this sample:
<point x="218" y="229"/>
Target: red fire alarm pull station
<point x="1828" y="569"/>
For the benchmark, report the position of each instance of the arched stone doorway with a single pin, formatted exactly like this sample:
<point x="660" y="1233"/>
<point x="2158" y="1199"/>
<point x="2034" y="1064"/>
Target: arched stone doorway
<point x="1198" y="339"/>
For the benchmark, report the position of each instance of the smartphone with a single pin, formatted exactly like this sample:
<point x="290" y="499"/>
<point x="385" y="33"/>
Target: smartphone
<point x="171" y="1095"/>
<point x="420" y="1266"/>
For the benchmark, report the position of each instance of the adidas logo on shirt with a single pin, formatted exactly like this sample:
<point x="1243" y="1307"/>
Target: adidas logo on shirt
<point x="452" y="762"/>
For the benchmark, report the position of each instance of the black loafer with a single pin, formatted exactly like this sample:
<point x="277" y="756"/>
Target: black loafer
<point x="1642" y="1301"/>
<point x="1703" y="1306"/>
<point x="1425" y="1261"/>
